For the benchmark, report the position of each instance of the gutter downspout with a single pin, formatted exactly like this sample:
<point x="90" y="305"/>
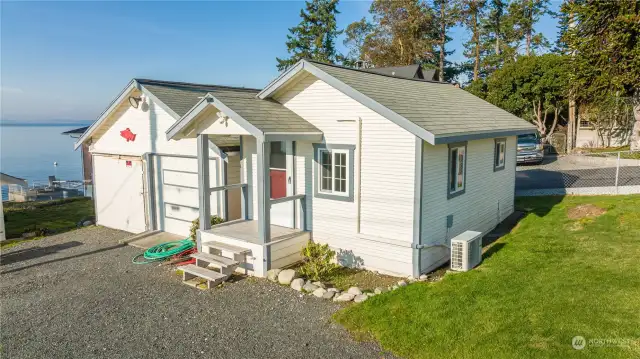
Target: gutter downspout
<point x="417" y="208"/>
<point x="359" y="160"/>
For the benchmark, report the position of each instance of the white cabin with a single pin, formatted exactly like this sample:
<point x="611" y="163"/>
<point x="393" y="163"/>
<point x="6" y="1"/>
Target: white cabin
<point x="386" y="170"/>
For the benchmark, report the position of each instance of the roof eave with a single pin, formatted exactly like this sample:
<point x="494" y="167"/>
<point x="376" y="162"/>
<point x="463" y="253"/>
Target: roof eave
<point x="453" y="138"/>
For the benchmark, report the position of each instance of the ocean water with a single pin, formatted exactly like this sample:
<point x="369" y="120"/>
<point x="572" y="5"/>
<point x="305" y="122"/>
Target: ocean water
<point x="29" y="152"/>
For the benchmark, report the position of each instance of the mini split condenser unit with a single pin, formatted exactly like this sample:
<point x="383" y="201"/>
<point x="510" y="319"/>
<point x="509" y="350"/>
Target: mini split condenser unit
<point x="466" y="251"/>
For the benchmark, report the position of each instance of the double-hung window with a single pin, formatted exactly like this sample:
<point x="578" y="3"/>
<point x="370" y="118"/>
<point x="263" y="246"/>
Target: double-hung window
<point x="457" y="169"/>
<point x="500" y="149"/>
<point x="334" y="171"/>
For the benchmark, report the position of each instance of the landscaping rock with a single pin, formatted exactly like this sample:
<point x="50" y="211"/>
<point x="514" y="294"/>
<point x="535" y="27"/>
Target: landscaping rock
<point x="380" y="290"/>
<point x="297" y="284"/>
<point x="327" y="294"/>
<point x="360" y="298"/>
<point x="370" y="294"/>
<point x="344" y="297"/>
<point x="272" y="274"/>
<point x="424" y="277"/>
<point x="354" y="291"/>
<point x="87" y="223"/>
<point x="333" y="290"/>
<point x="394" y="287"/>
<point x="286" y="276"/>
<point x="319" y="285"/>
<point x="411" y="279"/>
<point x="309" y="288"/>
<point x="402" y="283"/>
<point x="320" y="292"/>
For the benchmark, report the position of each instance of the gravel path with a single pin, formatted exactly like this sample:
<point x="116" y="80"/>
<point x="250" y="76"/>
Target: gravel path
<point x="77" y="295"/>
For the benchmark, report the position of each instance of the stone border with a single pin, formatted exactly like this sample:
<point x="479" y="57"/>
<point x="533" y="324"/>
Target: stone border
<point x="318" y="289"/>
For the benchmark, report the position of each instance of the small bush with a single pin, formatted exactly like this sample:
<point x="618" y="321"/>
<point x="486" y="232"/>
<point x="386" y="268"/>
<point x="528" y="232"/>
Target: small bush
<point x="317" y="263"/>
<point x="195" y="224"/>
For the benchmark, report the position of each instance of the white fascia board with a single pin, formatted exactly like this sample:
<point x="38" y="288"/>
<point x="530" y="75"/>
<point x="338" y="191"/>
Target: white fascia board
<point x="183" y="122"/>
<point x="281" y="80"/>
<point x="349" y="91"/>
<point x="133" y="84"/>
<point x="210" y="100"/>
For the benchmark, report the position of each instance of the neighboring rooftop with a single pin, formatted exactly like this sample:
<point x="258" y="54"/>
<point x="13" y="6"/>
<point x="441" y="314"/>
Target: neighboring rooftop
<point x="76" y="131"/>
<point x="437" y="107"/>
<point x="408" y="72"/>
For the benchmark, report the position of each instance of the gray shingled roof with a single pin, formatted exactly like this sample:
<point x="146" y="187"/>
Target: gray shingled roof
<point x="439" y="108"/>
<point x="408" y="71"/>
<point x="266" y="115"/>
<point x="180" y="97"/>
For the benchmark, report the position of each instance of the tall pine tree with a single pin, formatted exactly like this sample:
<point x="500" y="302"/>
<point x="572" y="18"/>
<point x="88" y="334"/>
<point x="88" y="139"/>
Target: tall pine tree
<point x="314" y="37"/>
<point x="447" y="13"/>
<point x="472" y="12"/>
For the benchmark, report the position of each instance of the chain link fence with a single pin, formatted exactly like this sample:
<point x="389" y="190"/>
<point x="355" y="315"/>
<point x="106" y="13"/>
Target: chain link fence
<point x="586" y="173"/>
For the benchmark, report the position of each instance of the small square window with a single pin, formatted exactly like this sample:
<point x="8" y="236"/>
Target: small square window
<point x="333" y="172"/>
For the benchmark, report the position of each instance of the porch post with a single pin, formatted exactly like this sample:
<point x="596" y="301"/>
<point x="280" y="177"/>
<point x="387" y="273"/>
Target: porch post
<point x="204" y="187"/>
<point x="264" y="197"/>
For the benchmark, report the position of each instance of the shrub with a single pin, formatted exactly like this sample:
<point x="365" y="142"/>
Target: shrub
<point x="317" y="263"/>
<point x="195" y="224"/>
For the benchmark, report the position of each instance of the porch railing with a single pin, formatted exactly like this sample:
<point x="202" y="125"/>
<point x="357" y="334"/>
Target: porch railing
<point x="301" y="199"/>
<point x="243" y="195"/>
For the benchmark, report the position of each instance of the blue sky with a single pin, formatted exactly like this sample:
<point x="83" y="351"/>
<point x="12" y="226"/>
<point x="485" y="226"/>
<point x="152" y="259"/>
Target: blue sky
<point x="68" y="60"/>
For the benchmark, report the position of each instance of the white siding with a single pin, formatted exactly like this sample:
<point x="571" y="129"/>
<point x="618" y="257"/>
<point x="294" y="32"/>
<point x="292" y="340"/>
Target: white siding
<point x="388" y="156"/>
<point x="149" y="128"/>
<point x="488" y="197"/>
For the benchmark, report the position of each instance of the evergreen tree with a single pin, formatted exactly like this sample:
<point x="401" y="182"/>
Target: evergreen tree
<point x="472" y="11"/>
<point x="603" y="41"/>
<point x="524" y="14"/>
<point x="447" y="13"/>
<point x="314" y="37"/>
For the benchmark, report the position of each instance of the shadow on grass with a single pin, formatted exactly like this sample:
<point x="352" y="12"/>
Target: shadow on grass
<point x="61" y="259"/>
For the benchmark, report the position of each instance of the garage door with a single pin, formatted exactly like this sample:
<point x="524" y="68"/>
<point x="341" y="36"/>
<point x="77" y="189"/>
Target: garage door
<point x="176" y="179"/>
<point x="119" y="193"/>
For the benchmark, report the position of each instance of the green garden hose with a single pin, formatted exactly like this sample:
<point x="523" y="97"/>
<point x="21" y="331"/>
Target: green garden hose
<point x="163" y="251"/>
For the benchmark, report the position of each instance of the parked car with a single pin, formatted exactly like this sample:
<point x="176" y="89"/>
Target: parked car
<point x="530" y="149"/>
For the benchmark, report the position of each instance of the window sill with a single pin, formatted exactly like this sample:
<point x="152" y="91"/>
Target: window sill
<point x="334" y="197"/>
<point x="451" y="195"/>
<point x="497" y="169"/>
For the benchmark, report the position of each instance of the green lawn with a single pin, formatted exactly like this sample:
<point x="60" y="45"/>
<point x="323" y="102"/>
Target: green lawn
<point x="53" y="216"/>
<point x="549" y="280"/>
<point x="611" y="152"/>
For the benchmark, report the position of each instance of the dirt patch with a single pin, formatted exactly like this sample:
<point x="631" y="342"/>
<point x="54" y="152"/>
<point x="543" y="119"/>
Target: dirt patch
<point x="585" y="211"/>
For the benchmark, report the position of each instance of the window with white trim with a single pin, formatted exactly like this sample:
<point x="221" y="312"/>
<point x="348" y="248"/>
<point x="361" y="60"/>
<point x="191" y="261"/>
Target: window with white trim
<point x="457" y="164"/>
<point x="334" y="174"/>
<point x="500" y="150"/>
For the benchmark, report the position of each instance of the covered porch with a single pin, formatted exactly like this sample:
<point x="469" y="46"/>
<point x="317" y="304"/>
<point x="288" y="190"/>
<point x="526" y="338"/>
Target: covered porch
<point x="272" y="228"/>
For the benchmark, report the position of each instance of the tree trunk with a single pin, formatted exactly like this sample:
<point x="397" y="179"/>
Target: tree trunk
<point x="571" y="125"/>
<point x="635" y="134"/>
<point x="443" y="40"/>
<point x="476" y="37"/>
<point x="529" y="28"/>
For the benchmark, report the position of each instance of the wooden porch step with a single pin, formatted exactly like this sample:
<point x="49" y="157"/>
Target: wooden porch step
<point x="225" y="247"/>
<point x="218" y="261"/>
<point x="213" y="278"/>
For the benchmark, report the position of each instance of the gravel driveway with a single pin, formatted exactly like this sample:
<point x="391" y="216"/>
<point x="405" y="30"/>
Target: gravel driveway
<point x="77" y="295"/>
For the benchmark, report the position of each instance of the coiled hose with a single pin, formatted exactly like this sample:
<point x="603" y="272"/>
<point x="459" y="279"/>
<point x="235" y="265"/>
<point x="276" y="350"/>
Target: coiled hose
<point x="164" y="251"/>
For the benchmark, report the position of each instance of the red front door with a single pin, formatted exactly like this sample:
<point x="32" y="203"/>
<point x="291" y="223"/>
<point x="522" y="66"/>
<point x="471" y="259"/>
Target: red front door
<point x="278" y="183"/>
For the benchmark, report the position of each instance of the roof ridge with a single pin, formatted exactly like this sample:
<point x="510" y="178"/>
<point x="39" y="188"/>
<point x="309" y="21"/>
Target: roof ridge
<point x="376" y="73"/>
<point x="191" y="84"/>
